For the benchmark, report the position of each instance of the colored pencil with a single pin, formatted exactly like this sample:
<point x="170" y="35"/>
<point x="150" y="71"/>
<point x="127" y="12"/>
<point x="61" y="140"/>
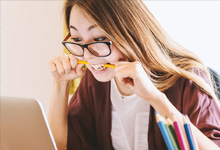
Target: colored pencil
<point x="192" y="135"/>
<point x="188" y="134"/>
<point x="164" y="132"/>
<point x="179" y="135"/>
<point x="172" y="133"/>
<point x="105" y="65"/>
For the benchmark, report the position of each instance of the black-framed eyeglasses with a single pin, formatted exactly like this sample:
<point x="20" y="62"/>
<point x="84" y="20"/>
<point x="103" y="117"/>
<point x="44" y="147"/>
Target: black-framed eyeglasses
<point x="99" y="49"/>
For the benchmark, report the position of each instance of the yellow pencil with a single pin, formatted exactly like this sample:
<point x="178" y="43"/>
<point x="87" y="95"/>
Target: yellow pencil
<point x="109" y="65"/>
<point x="105" y="65"/>
<point x="83" y="62"/>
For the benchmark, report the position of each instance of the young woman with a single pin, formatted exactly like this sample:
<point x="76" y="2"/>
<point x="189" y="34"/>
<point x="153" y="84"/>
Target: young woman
<point x="113" y="108"/>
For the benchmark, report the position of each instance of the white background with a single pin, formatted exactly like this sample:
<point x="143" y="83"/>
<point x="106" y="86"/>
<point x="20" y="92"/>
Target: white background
<point x="31" y="35"/>
<point x="193" y="24"/>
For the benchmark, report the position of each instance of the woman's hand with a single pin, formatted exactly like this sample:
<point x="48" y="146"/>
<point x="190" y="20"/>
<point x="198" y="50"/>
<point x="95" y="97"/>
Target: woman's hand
<point x="132" y="73"/>
<point x="65" y="68"/>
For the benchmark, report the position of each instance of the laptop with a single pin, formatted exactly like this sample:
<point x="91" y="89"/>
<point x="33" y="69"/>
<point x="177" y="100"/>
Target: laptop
<point x="24" y="125"/>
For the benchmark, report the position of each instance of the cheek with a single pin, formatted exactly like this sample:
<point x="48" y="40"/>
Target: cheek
<point x="116" y="55"/>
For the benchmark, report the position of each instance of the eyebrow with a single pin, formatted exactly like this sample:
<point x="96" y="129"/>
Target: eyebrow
<point x="90" y="28"/>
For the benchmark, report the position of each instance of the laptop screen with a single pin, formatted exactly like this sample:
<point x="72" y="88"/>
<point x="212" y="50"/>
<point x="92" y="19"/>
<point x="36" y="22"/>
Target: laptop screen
<point x="24" y="125"/>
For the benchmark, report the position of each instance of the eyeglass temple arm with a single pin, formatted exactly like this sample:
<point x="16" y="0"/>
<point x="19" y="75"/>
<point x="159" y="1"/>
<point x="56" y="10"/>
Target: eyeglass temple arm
<point x="66" y="38"/>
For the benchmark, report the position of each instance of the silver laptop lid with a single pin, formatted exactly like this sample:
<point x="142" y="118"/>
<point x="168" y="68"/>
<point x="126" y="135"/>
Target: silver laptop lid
<point x="24" y="125"/>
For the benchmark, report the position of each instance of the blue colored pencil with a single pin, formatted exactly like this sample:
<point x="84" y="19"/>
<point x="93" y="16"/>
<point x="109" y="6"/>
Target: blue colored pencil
<point x="188" y="134"/>
<point x="164" y="132"/>
<point x="193" y="137"/>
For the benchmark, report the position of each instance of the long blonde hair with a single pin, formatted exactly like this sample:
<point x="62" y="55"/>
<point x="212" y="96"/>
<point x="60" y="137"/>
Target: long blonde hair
<point x="137" y="34"/>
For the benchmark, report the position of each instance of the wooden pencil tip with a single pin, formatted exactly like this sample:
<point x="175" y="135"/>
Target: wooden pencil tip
<point x="187" y="119"/>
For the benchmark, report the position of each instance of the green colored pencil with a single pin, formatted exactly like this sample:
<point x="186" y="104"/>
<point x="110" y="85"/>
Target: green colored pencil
<point x="172" y="133"/>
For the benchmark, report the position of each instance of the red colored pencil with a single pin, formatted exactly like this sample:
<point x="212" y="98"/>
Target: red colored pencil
<point x="179" y="135"/>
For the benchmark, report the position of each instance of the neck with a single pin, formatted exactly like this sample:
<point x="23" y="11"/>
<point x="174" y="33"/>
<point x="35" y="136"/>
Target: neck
<point x="123" y="89"/>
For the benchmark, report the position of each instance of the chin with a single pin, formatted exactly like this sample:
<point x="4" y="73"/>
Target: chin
<point x="103" y="79"/>
<point x="104" y="76"/>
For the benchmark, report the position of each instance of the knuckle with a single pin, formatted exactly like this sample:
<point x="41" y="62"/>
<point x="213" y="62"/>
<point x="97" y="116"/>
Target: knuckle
<point x="73" y="64"/>
<point x="63" y="56"/>
<point x="73" y="60"/>
<point x="67" y="68"/>
<point x="56" y="59"/>
<point x="54" y="72"/>
<point x="51" y="62"/>
<point x="137" y="63"/>
<point x="52" y="67"/>
<point x="59" y="57"/>
<point x="61" y="72"/>
<point x="71" y="56"/>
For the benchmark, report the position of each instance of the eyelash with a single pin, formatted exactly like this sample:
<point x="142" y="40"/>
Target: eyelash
<point x="76" y="39"/>
<point x="100" y="39"/>
<point x="95" y="39"/>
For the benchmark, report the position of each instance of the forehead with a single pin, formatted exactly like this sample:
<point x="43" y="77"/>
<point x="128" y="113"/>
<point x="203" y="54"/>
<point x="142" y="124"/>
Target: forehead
<point x="79" y="18"/>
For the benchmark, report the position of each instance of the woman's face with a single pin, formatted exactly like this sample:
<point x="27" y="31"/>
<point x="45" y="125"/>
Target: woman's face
<point x="84" y="31"/>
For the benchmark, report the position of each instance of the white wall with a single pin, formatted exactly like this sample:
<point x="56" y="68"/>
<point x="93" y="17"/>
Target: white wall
<point x="193" y="24"/>
<point x="31" y="35"/>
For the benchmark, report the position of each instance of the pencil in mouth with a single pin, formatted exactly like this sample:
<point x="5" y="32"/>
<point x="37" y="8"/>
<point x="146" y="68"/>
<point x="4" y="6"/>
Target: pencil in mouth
<point x="105" y="65"/>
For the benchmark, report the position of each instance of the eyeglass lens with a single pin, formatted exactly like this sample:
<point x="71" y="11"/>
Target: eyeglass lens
<point x="98" y="49"/>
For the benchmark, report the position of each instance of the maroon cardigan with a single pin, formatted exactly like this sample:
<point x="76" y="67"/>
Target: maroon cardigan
<point x="89" y="114"/>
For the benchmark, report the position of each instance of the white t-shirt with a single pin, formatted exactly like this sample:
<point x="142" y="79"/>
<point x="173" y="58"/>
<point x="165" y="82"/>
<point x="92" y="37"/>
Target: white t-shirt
<point x="130" y="118"/>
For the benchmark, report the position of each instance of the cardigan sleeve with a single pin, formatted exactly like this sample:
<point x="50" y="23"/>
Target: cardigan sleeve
<point x="202" y="111"/>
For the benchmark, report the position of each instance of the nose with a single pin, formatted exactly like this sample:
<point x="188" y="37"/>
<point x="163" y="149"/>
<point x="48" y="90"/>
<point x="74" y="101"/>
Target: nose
<point x="87" y="54"/>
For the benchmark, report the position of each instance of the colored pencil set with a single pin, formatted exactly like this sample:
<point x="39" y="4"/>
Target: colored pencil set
<point x="174" y="138"/>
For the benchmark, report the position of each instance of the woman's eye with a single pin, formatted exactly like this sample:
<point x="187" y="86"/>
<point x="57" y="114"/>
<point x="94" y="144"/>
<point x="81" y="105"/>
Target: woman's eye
<point x="100" y="39"/>
<point x="76" y="39"/>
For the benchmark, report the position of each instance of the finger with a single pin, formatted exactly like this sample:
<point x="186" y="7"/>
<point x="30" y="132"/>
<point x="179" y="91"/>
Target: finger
<point x="129" y="81"/>
<point x="79" y="69"/>
<point x="53" y="69"/>
<point x="126" y="79"/>
<point x="52" y="66"/>
<point x="66" y="63"/>
<point x="125" y="73"/>
<point x="124" y="76"/>
<point x="59" y="66"/>
<point x="120" y="63"/>
<point x="73" y="61"/>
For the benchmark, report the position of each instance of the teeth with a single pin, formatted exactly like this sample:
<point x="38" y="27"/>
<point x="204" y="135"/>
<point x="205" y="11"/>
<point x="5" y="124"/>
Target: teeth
<point x="98" y="67"/>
